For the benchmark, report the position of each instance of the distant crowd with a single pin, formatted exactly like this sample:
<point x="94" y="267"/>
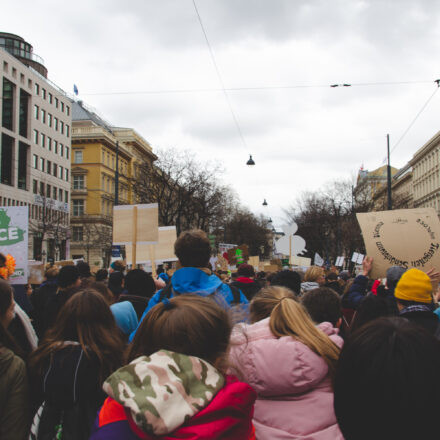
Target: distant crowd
<point x="205" y="354"/>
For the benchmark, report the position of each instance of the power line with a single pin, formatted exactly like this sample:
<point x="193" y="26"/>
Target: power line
<point x="415" y="119"/>
<point x="234" y="117"/>
<point x="249" y="89"/>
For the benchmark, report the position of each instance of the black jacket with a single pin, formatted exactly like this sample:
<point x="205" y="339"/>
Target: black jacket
<point x="248" y="286"/>
<point x="40" y="298"/>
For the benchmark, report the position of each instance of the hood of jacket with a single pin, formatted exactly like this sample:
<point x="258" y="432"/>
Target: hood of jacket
<point x="164" y="390"/>
<point x="125" y="316"/>
<point x="277" y="366"/>
<point x="194" y="280"/>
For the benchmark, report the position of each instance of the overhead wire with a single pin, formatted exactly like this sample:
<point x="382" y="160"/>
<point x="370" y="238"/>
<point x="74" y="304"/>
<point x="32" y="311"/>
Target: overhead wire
<point x="214" y="62"/>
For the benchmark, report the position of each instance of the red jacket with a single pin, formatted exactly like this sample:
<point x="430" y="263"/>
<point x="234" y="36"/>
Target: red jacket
<point x="228" y="415"/>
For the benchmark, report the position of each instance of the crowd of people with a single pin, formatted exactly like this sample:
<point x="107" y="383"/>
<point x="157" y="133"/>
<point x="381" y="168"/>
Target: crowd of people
<point x="320" y="355"/>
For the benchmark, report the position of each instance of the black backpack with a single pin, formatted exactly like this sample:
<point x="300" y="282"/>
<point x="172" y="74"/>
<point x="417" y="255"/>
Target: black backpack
<point x="168" y="290"/>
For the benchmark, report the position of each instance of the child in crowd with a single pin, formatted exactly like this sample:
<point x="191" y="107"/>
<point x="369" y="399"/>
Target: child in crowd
<point x="67" y="370"/>
<point x="289" y="362"/>
<point x="175" y="385"/>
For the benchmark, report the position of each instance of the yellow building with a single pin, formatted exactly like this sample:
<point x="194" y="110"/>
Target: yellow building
<point x="96" y="147"/>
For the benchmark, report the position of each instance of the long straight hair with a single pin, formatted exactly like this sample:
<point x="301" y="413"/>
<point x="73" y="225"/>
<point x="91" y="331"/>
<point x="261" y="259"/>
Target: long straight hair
<point x="6" y="339"/>
<point x="85" y="318"/>
<point x="289" y="318"/>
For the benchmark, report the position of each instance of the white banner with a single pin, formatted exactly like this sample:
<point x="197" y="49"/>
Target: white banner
<point x="14" y="229"/>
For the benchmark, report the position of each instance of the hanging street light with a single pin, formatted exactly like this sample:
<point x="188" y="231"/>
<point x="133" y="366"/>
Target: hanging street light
<point x="265" y="203"/>
<point x="250" y="161"/>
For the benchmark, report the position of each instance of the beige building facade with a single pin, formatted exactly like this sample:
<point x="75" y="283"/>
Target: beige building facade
<point x="35" y="133"/>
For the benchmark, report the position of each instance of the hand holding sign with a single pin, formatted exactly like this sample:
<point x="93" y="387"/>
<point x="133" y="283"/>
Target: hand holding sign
<point x="367" y="265"/>
<point x="435" y="279"/>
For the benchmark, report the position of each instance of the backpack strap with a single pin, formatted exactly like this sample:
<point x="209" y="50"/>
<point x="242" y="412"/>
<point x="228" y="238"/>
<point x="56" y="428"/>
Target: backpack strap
<point x="235" y="293"/>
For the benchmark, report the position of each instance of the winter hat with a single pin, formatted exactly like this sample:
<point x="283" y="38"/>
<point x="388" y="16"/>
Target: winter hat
<point x="414" y="285"/>
<point x="245" y="270"/>
<point x="393" y="275"/>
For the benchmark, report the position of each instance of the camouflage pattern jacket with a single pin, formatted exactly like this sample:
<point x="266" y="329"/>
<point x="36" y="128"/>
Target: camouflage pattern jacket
<point x="169" y="396"/>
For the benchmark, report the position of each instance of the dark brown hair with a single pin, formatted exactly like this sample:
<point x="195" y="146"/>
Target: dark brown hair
<point x="102" y="289"/>
<point x="189" y="324"/>
<point x="6" y="339"/>
<point x="193" y="249"/>
<point x="85" y="318"/>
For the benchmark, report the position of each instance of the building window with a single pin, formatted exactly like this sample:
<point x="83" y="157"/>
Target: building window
<point x="54" y="192"/>
<point x="77" y="233"/>
<point x="67" y="110"/>
<point x="42" y="163"/>
<point x="66" y="174"/>
<point x="55" y="147"/>
<point x="36" y="112"/>
<point x="78" y="182"/>
<point x="67" y="130"/>
<point x="43" y="140"/>
<point x="48" y="190"/>
<point x="49" y="167"/>
<point x="61" y="127"/>
<point x="35" y="161"/>
<point x="49" y="120"/>
<point x="56" y="102"/>
<point x="55" y="121"/>
<point x="37" y="89"/>
<point x="61" y="150"/>
<point x="55" y="169"/>
<point x="43" y="93"/>
<point x="78" y="207"/>
<point x="62" y="106"/>
<point x="36" y="136"/>
<point x="35" y="186"/>
<point x="49" y="143"/>
<point x="78" y="156"/>
<point x="23" y="117"/>
<point x="67" y="152"/>
<point x="66" y="196"/>
<point x="50" y="98"/>
<point x="6" y="161"/>
<point x="43" y="116"/>
<point x="42" y="188"/>
<point x="60" y="172"/>
<point x="8" y="104"/>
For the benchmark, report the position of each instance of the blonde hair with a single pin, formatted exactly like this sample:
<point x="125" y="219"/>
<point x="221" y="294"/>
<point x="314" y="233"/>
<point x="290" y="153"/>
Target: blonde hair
<point x="289" y="318"/>
<point x="313" y="273"/>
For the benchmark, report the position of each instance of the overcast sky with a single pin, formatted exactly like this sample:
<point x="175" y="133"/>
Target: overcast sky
<point x="300" y="138"/>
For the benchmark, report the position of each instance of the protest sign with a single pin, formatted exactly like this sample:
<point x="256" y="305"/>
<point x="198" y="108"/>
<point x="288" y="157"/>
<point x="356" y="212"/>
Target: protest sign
<point x="271" y="268"/>
<point x="290" y="244"/>
<point x="145" y="217"/>
<point x="301" y="261"/>
<point x="318" y="260"/>
<point x="163" y="250"/>
<point x="406" y="237"/>
<point x="36" y="272"/>
<point x="14" y="228"/>
<point x="254" y="261"/>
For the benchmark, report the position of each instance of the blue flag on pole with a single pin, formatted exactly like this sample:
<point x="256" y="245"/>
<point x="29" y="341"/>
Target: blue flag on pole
<point x="75" y="89"/>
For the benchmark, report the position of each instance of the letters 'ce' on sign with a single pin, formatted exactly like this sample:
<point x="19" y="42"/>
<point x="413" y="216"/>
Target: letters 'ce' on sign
<point x="406" y="237"/>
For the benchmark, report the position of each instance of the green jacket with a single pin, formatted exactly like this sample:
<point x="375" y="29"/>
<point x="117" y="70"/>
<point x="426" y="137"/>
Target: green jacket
<point x="14" y="397"/>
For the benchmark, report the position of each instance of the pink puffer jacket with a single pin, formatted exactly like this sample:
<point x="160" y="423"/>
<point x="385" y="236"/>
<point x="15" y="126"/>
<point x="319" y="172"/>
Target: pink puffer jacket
<point x="295" y="399"/>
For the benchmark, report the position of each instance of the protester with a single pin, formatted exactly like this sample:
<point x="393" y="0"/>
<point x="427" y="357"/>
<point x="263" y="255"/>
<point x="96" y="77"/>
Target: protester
<point x="386" y="384"/>
<point x="323" y="305"/>
<point x="14" y="393"/>
<point x="289" y="279"/>
<point x="69" y="283"/>
<point x="313" y="278"/>
<point x="82" y="348"/>
<point x="289" y="362"/>
<point x="117" y="266"/>
<point x="246" y="282"/>
<point x="139" y="288"/>
<point x="413" y="294"/>
<point x="176" y="379"/>
<point x="358" y="288"/>
<point x="102" y="276"/>
<point x="84" y="273"/>
<point x="41" y="297"/>
<point x="370" y="308"/>
<point x="116" y="283"/>
<point x="193" y="250"/>
<point x="332" y="282"/>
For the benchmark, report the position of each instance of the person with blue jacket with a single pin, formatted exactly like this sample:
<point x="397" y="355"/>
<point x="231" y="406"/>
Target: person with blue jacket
<point x="193" y="250"/>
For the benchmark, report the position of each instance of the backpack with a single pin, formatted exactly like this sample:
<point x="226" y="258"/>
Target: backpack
<point x="168" y="290"/>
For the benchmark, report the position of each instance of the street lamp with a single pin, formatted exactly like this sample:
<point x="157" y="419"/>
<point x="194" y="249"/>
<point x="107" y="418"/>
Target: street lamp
<point x="265" y="203"/>
<point x="250" y="161"/>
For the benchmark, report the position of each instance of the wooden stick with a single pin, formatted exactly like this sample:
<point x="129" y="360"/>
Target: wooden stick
<point x="153" y="262"/>
<point x="134" y="235"/>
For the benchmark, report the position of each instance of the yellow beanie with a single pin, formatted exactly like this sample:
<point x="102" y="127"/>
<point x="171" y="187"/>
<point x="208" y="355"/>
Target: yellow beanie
<point x="414" y="285"/>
